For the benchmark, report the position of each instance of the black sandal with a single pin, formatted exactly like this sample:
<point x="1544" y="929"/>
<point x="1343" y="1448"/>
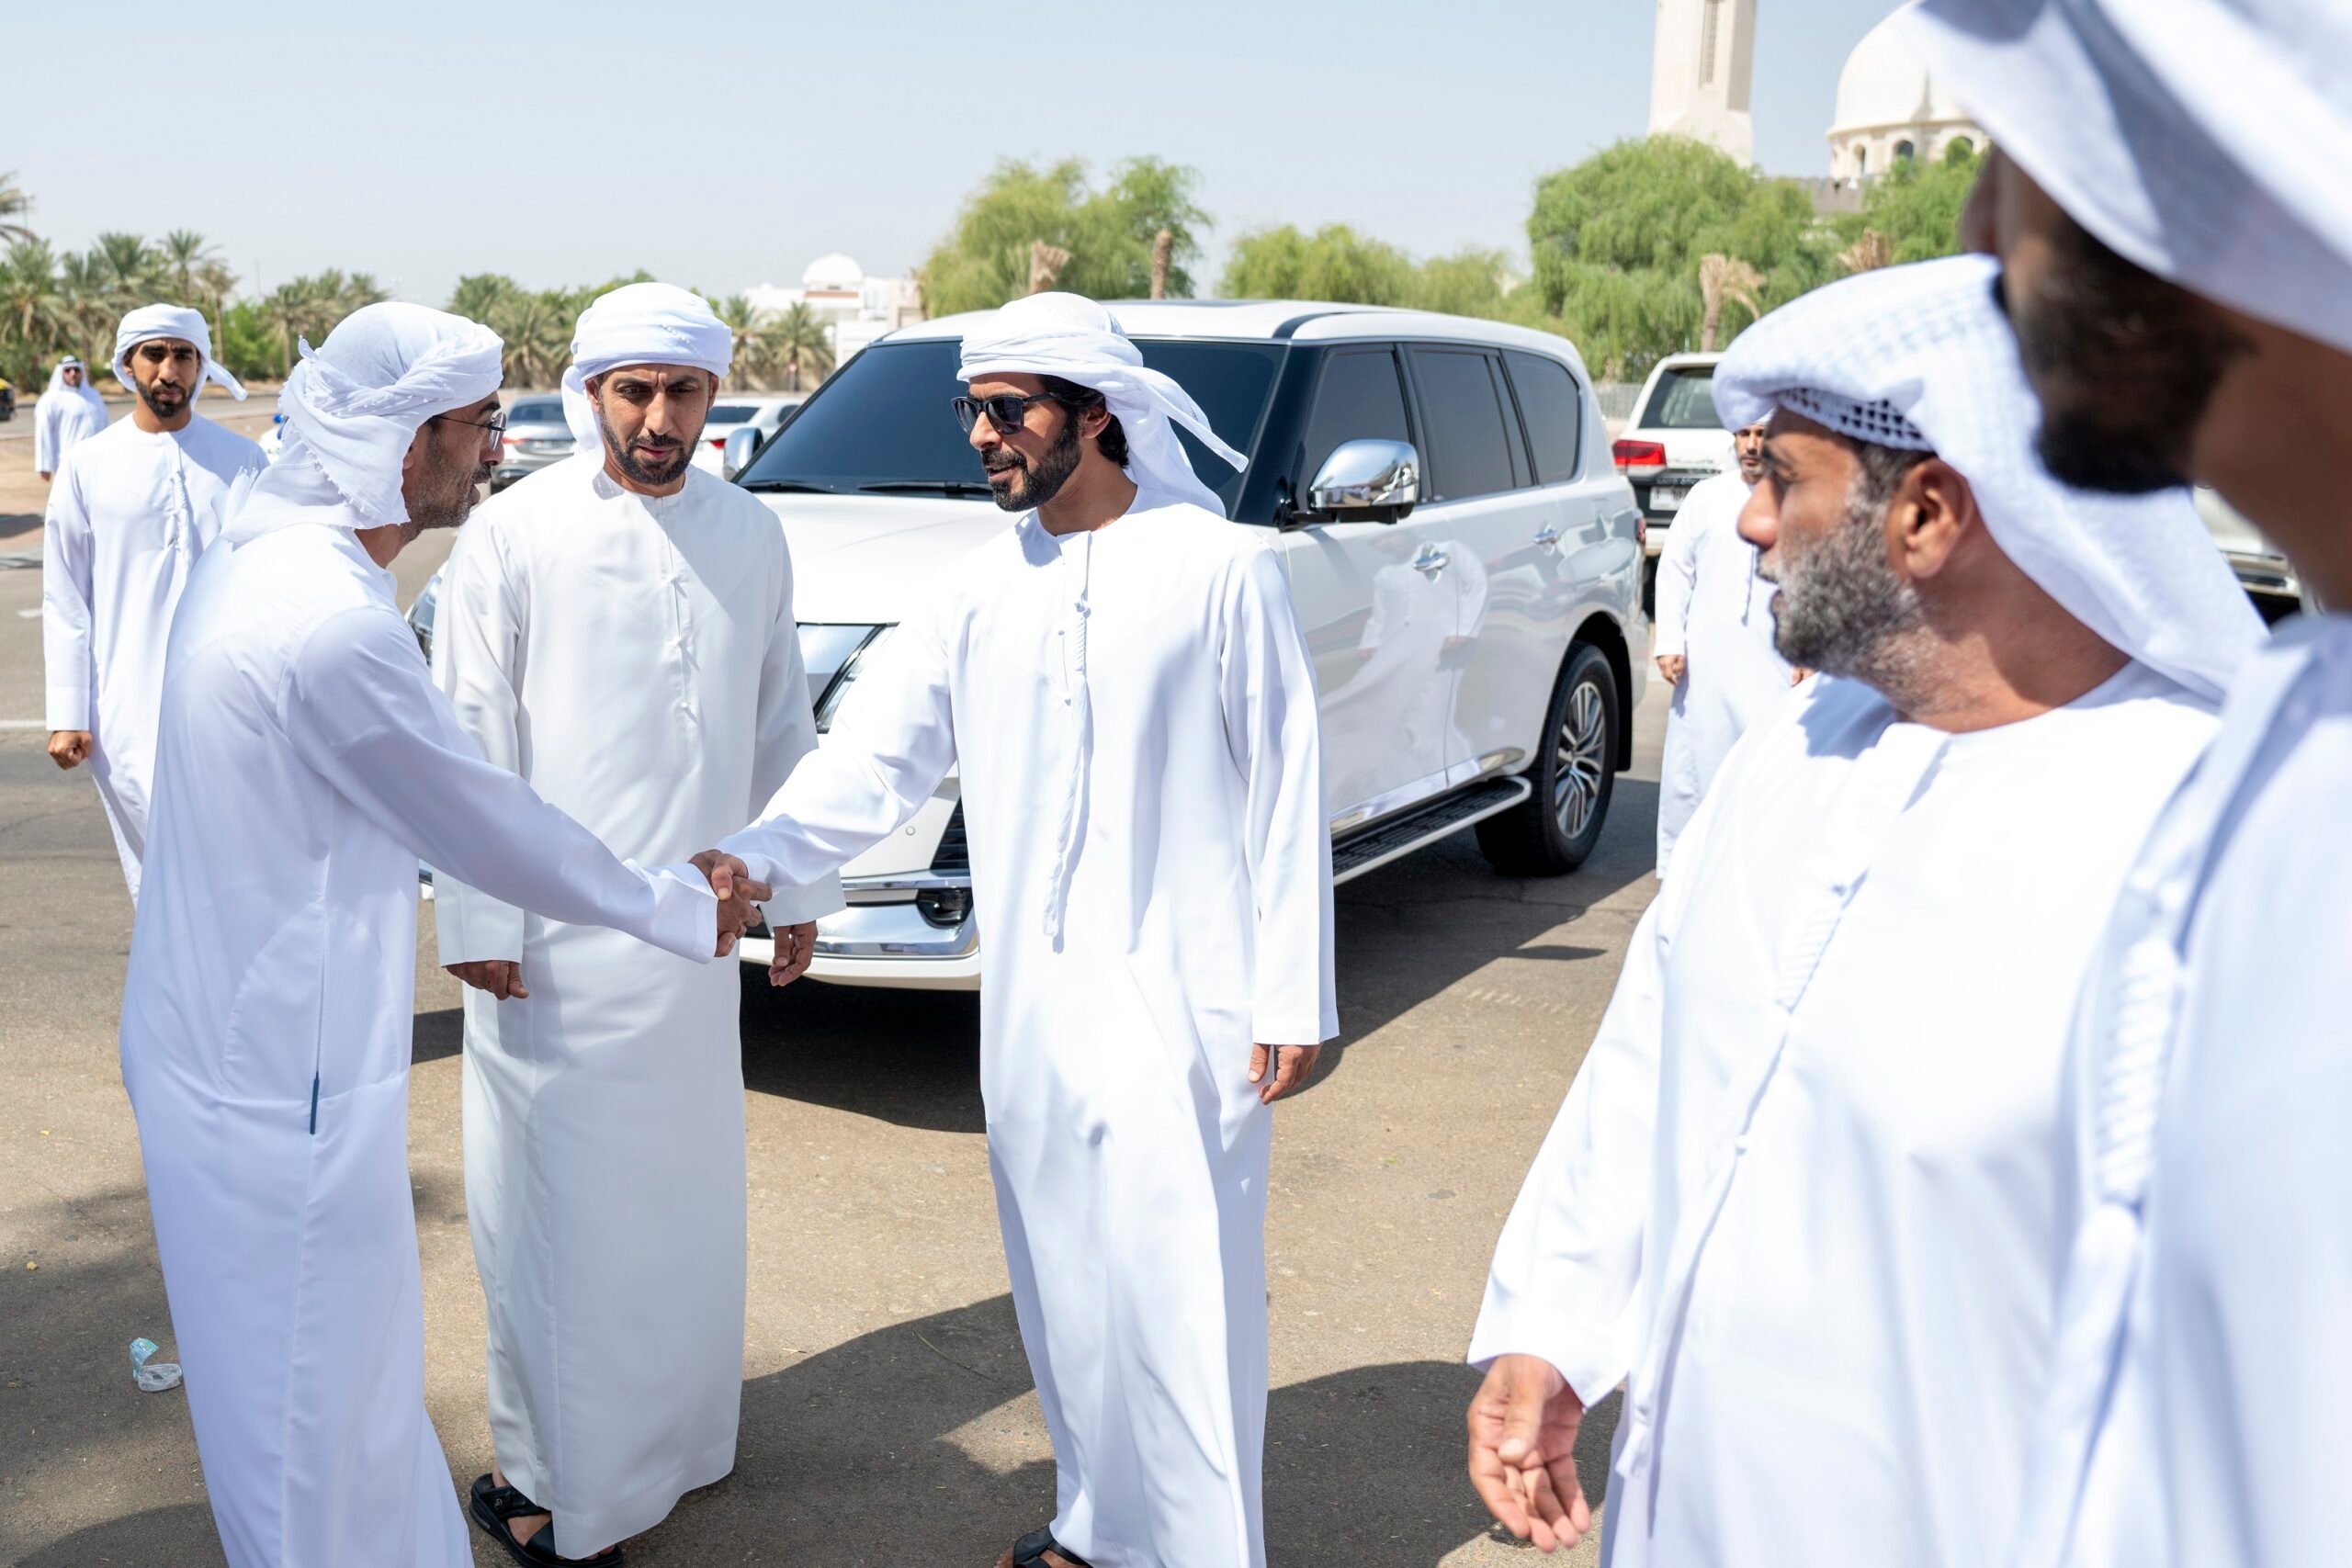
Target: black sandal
<point x="1030" y="1551"/>
<point x="493" y="1505"/>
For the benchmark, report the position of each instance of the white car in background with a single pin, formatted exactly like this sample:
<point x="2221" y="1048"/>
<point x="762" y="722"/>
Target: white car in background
<point x="1464" y="559"/>
<point x="762" y="412"/>
<point x="1673" y="441"/>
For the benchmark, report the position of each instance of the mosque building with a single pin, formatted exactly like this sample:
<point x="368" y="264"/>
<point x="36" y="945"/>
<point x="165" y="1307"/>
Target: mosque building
<point x="856" y="309"/>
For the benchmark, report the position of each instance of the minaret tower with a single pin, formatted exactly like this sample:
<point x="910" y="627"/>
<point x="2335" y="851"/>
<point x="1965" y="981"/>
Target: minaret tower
<point x="1699" y="67"/>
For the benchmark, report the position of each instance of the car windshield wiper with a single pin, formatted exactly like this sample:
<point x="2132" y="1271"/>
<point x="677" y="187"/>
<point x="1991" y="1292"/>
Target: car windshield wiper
<point x="796" y="486"/>
<point x="927" y="487"/>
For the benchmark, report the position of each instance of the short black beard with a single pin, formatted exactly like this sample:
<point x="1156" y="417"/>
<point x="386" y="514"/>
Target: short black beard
<point x="1842" y="609"/>
<point x="2124" y="364"/>
<point x="1046" y="477"/>
<point x="146" y="395"/>
<point x="638" y="469"/>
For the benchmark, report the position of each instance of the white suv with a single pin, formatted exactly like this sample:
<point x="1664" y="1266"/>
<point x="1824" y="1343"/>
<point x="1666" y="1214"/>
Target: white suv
<point x="1673" y="441"/>
<point x="1464" y="556"/>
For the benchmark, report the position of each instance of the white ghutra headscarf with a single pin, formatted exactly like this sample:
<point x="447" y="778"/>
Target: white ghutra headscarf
<point x="640" y="323"/>
<point x="1072" y="337"/>
<point x="1922" y="358"/>
<point x="151" y="321"/>
<point x="2208" y="140"/>
<point x="58" y="388"/>
<point x="353" y="406"/>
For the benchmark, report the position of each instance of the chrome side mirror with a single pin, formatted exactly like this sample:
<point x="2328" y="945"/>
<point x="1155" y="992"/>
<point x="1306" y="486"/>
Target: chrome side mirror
<point x="743" y="443"/>
<point x="1367" y="482"/>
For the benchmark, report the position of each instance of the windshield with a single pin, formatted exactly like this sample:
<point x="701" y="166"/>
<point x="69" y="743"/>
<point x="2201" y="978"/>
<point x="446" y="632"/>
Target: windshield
<point x="535" y="412"/>
<point x="1684" y="398"/>
<point x="883" y="419"/>
<point x="730" y="413"/>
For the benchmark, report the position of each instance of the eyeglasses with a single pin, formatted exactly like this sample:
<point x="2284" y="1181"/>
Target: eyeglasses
<point x="1006" y="411"/>
<point x="492" y="428"/>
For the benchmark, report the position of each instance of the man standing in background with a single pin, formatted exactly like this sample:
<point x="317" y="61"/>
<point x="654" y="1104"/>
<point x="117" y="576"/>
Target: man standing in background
<point x="133" y="508"/>
<point x="620" y="593"/>
<point x="1713" y="638"/>
<point x="69" y="411"/>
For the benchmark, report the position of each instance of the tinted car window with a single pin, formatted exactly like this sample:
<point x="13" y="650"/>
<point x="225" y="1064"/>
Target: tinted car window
<point x="1470" y="446"/>
<point x="1357" y="398"/>
<point x="535" y="410"/>
<point x="1683" y="400"/>
<point x="1553" y="410"/>
<point x="730" y="413"/>
<point x="883" y="418"/>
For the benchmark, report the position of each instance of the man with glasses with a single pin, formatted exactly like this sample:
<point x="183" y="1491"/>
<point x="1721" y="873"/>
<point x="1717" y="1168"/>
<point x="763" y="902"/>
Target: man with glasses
<point x="1121" y="679"/>
<point x="617" y="628"/>
<point x="133" y="508"/>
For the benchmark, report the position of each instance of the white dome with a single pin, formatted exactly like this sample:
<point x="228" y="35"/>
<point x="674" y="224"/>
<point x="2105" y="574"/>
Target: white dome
<point x="834" y="274"/>
<point x="1884" y="85"/>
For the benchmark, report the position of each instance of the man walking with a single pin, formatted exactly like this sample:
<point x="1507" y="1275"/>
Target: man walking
<point x="1713" y="638"/>
<point x="66" y="413"/>
<point x="616" y="628"/>
<point x="307" y="764"/>
<point x="1800" y="1198"/>
<point x="2173" y="203"/>
<point x="133" y="508"/>
<point x="1121" y="680"/>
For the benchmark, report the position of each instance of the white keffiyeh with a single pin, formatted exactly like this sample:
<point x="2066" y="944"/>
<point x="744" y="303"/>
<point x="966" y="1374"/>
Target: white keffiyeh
<point x="1922" y="358"/>
<point x="149" y="322"/>
<point x="1076" y="339"/>
<point x="640" y="323"/>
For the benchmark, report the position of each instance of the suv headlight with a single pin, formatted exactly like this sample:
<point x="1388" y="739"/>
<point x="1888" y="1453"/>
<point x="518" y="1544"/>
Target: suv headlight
<point x="833" y="655"/>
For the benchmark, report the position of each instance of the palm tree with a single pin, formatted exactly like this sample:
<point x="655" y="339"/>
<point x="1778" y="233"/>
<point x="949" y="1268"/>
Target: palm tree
<point x="537" y="335"/>
<point x="1868" y="254"/>
<point x="756" y="355"/>
<point x="33" y="314"/>
<point x="802" y="343"/>
<point x="127" y="263"/>
<point x="14" y="205"/>
<point x="1724" y="281"/>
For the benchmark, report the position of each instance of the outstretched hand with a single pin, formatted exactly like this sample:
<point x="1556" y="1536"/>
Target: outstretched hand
<point x="1523" y="1424"/>
<point x="738" y="893"/>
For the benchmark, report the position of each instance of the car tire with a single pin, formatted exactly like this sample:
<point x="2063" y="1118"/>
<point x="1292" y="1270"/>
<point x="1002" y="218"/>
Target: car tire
<point x="1553" y="831"/>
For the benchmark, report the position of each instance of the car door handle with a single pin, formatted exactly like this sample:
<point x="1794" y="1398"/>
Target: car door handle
<point x="1430" y="558"/>
<point x="1547" y="536"/>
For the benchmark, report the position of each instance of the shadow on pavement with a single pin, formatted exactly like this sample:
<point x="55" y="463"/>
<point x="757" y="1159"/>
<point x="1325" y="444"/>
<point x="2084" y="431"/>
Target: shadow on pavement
<point x="180" y="1535"/>
<point x="865" y="1454"/>
<point x="12" y="524"/>
<point x="912" y="1058"/>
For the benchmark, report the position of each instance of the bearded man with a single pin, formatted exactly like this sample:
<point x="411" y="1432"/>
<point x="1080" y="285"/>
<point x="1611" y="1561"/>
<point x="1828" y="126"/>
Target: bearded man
<point x="133" y="508"/>
<point x="619" y="593"/>
<point x="1800" y="1198"/>
<point x="307" y="765"/>
<point x="68" y="412"/>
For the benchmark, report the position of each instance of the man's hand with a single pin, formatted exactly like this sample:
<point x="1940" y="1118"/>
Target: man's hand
<point x="502" y="978"/>
<point x="1522" y="1451"/>
<point x="45" y="478"/>
<point x="69" y="747"/>
<point x="794" y="946"/>
<point x="1671" y="666"/>
<point x="1292" y="1063"/>
<point x="732" y="882"/>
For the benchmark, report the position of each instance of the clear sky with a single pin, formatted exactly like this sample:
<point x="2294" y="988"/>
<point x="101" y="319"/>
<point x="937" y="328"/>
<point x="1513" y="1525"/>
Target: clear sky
<point x="722" y="145"/>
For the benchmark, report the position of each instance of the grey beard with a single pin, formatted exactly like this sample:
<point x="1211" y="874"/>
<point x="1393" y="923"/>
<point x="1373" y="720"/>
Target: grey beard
<point x="1844" y="610"/>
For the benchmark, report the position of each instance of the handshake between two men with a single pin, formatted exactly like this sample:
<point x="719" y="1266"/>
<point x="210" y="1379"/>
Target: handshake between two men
<point x="739" y="894"/>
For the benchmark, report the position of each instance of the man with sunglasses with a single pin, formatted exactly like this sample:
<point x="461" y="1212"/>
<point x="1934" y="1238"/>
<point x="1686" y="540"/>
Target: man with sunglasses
<point x="1121" y="683"/>
<point x="617" y="628"/>
<point x="132" y="509"/>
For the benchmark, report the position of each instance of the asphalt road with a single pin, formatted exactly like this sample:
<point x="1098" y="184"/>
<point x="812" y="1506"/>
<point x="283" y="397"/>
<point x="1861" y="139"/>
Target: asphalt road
<point x="888" y="1413"/>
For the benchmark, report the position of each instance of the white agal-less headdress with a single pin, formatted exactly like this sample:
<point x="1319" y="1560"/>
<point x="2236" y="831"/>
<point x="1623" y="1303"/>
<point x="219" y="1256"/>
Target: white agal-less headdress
<point x="149" y="322"/>
<point x="1922" y="358"/>
<point x="2208" y="140"/>
<point x="84" y="391"/>
<point x="353" y="406"/>
<point x="1072" y="337"/>
<point x="640" y="323"/>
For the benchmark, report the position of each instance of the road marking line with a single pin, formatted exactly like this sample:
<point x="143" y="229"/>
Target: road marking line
<point x="22" y="724"/>
<point x="28" y="614"/>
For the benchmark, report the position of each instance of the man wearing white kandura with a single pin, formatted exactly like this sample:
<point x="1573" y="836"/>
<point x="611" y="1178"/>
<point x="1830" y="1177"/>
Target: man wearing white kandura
<point x="1801" y="1199"/>
<point x="307" y="765"/>
<point x="1713" y="638"/>
<point x="1122" y="681"/>
<point x="68" y="411"/>
<point x="622" y="592"/>
<point x="2172" y="199"/>
<point x="133" y="508"/>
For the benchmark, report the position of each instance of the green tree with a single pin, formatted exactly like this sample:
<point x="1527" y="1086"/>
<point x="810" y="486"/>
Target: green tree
<point x="1914" y="208"/>
<point x="35" y="316"/>
<point x="478" y="294"/>
<point x="537" y="331"/>
<point x="1108" y="233"/>
<point x="1617" y="240"/>
<point x="127" y="263"/>
<point x="14" y="205"/>
<point x="1335" y="263"/>
<point x="247" y="344"/>
<point x="804" y="344"/>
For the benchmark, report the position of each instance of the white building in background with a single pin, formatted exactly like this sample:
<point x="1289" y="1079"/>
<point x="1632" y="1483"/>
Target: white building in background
<point x="1889" y="109"/>
<point x="856" y="309"/>
<point x="1701" y="61"/>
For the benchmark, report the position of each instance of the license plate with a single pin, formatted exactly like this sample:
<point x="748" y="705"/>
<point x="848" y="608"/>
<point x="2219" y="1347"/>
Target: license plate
<point x="1668" y="498"/>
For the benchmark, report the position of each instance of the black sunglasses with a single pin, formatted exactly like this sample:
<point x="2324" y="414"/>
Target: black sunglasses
<point x="1006" y="411"/>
